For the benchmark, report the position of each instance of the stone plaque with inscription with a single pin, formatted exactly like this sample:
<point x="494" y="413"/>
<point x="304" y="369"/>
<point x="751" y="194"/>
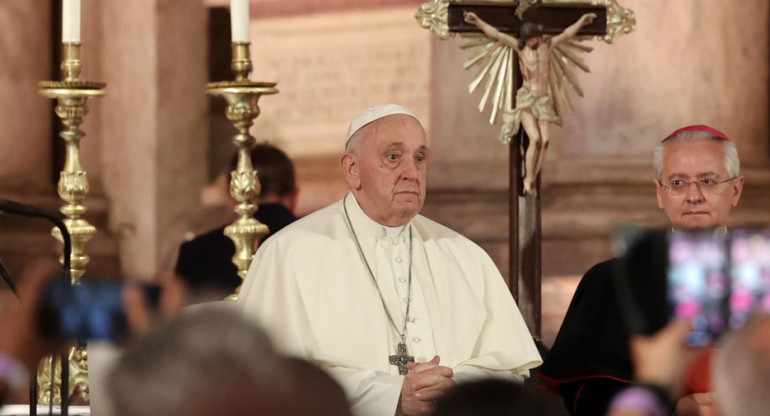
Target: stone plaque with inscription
<point x="331" y="66"/>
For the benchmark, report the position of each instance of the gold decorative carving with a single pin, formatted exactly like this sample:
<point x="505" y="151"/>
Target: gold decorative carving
<point x="71" y="95"/>
<point x="434" y="16"/>
<point x="73" y="182"/>
<point x="242" y="96"/>
<point x="523" y="6"/>
<point x="620" y="21"/>
<point x="44" y="381"/>
<point x="243" y="184"/>
<point x="78" y="388"/>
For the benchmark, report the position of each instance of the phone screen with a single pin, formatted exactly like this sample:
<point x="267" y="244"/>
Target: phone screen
<point x="91" y="310"/>
<point x="750" y="273"/>
<point x="698" y="286"/>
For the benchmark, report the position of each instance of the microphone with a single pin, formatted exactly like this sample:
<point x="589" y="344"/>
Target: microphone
<point x="17" y="208"/>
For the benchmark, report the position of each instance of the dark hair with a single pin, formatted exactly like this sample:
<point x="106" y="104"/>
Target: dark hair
<point x="495" y="397"/>
<point x="528" y="31"/>
<point x="274" y="169"/>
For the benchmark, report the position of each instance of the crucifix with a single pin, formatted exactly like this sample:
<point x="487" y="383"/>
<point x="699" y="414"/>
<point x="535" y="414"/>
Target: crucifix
<point x="540" y="98"/>
<point x="401" y="358"/>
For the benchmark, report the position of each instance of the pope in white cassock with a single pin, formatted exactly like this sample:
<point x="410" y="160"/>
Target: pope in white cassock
<point x="395" y="306"/>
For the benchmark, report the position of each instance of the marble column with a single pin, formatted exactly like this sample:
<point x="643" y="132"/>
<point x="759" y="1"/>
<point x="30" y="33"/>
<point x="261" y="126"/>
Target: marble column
<point x="154" y="125"/>
<point x="25" y="137"/>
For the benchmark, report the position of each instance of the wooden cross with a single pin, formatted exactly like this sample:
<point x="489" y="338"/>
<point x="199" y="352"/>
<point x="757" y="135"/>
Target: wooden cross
<point x="447" y="18"/>
<point x="553" y="17"/>
<point x="401" y="358"/>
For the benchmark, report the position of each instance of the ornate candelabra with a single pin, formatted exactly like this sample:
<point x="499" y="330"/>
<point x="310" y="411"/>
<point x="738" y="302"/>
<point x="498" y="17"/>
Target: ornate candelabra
<point x="242" y="96"/>
<point x="73" y="187"/>
<point x="71" y="95"/>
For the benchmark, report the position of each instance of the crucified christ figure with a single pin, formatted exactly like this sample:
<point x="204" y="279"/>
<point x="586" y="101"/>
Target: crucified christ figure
<point x="534" y="106"/>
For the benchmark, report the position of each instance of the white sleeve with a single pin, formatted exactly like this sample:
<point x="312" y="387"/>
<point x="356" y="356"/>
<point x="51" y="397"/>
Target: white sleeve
<point x="371" y="393"/>
<point x="504" y="348"/>
<point x="469" y="373"/>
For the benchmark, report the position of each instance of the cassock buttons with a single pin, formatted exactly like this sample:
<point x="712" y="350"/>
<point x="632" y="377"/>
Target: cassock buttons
<point x="398" y="259"/>
<point x="411" y="319"/>
<point x="394" y="242"/>
<point x="402" y="279"/>
<point x="416" y="340"/>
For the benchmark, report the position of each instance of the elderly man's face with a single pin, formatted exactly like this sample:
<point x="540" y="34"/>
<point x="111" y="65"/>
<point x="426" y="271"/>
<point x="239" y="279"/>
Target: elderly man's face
<point x="691" y="161"/>
<point x="386" y="171"/>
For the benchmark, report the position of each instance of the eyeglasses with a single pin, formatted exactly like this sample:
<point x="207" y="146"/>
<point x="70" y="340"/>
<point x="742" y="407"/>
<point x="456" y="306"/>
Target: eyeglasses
<point x="710" y="185"/>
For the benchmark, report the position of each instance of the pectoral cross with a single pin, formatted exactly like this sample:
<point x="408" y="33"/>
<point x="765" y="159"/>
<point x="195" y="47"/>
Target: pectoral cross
<point x="401" y="358"/>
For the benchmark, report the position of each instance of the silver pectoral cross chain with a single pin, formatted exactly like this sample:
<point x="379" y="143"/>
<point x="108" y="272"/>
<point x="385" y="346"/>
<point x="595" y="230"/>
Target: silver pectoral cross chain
<point x="402" y="357"/>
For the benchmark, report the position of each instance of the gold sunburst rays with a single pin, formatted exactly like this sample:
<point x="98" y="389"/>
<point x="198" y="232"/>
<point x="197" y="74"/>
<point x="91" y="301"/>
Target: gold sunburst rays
<point x="486" y="46"/>
<point x="505" y="69"/>
<point x="495" y="62"/>
<point x="558" y="91"/>
<point x="568" y="48"/>
<point x="562" y="74"/>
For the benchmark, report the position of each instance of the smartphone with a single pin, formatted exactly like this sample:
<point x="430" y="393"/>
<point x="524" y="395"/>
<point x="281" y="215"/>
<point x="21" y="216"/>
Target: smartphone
<point x="90" y="310"/>
<point x="717" y="279"/>
<point x="698" y="283"/>
<point x="750" y="275"/>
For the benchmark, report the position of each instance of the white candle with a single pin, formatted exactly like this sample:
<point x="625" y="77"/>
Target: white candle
<point x="239" y="20"/>
<point x="70" y="27"/>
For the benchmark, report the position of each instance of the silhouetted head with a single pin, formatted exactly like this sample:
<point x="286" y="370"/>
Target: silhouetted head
<point x="495" y="397"/>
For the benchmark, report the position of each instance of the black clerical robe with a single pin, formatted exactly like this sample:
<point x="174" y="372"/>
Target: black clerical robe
<point x="590" y="361"/>
<point x="205" y="263"/>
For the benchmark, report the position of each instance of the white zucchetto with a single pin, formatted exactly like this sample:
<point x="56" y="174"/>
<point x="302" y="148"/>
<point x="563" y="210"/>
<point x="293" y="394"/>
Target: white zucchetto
<point x="375" y="113"/>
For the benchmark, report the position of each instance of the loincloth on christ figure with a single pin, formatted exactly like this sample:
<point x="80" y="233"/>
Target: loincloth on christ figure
<point x="540" y="107"/>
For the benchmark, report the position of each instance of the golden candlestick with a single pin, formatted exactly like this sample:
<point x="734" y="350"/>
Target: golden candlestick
<point x="242" y="96"/>
<point x="71" y="95"/>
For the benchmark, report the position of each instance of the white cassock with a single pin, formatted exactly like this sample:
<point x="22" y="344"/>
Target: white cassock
<point x="309" y="288"/>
